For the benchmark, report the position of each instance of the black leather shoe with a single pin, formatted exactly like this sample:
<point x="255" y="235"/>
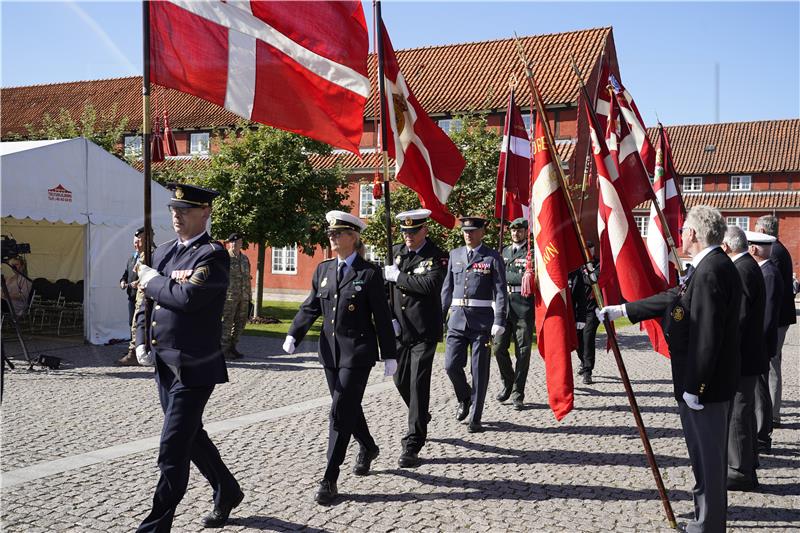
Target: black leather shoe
<point x="326" y="493"/>
<point x="504" y="394"/>
<point x="587" y="378"/>
<point x="463" y="410"/>
<point x="219" y="516"/>
<point x="742" y="485"/>
<point x="364" y="460"/>
<point x="408" y="460"/>
<point x="475" y="427"/>
<point x="518" y="405"/>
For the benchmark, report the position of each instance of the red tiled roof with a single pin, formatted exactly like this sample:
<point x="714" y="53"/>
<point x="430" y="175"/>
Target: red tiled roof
<point x="177" y="164"/>
<point x="445" y="79"/>
<point x="727" y="201"/>
<point x="739" y="147"/>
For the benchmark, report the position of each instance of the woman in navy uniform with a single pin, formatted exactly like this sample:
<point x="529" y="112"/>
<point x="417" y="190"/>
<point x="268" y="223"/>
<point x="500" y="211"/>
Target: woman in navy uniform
<point x="348" y="293"/>
<point x="185" y="293"/>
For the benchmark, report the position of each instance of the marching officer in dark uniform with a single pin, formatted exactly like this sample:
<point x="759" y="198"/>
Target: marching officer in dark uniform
<point x="519" y="319"/>
<point x="348" y="293"/>
<point x="416" y="283"/>
<point x="584" y="306"/>
<point x="474" y="291"/>
<point x="185" y="293"/>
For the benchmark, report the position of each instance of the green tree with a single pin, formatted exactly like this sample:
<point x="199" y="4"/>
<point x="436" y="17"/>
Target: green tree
<point x="472" y="195"/>
<point x="270" y="192"/>
<point x="103" y="129"/>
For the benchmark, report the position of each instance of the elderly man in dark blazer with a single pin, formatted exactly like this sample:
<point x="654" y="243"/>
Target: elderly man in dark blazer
<point x="185" y="293"/>
<point x="742" y="430"/>
<point x="701" y="325"/>
<point x="760" y="247"/>
<point x="348" y="293"/>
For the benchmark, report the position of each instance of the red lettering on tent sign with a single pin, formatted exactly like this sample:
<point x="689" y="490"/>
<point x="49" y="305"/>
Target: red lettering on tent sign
<point x="59" y="194"/>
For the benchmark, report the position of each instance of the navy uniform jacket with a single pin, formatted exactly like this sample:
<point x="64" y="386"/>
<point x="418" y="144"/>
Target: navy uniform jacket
<point x="186" y="304"/>
<point x="772" y="312"/>
<point x="751" y="316"/>
<point x="417" y="292"/>
<point x="355" y="319"/>
<point x="701" y="325"/>
<point x="783" y="260"/>
<point x="515" y="269"/>
<point x="129" y="276"/>
<point x="484" y="278"/>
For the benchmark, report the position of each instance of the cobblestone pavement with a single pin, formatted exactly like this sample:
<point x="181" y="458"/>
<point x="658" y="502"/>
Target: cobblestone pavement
<point x="79" y="451"/>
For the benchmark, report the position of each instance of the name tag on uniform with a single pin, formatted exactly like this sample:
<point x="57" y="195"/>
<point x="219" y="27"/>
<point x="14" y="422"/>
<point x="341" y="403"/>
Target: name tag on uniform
<point x="181" y="275"/>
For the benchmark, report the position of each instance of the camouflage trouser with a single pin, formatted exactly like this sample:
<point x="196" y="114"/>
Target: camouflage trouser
<point x="234" y="318"/>
<point x="139" y="300"/>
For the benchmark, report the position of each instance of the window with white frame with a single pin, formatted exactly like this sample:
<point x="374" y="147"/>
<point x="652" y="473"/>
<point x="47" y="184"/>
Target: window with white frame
<point x="741" y="183"/>
<point x="449" y="125"/>
<point x="284" y="260"/>
<point x="199" y="143"/>
<point x="742" y="222"/>
<point x="367" y="204"/>
<point x="692" y="183"/>
<point x="526" y="118"/>
<point x="133" y="145"/>
<point x="373" y="253"/>
<point x="642" y="224"/>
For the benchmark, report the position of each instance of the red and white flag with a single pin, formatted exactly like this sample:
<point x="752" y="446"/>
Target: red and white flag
<point x="514" y="170"/>
<point x="621" y="244"/>
<point x="297" y="66"/>
<point x="669" y="199"/>
<point x="426" y="160"/>
<point x="557" y="253"/>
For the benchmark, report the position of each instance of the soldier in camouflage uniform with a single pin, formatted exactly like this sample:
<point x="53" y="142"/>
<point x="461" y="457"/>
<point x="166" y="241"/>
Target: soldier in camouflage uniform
<point x="237" y="302"/>
<point x="129" y="359"/>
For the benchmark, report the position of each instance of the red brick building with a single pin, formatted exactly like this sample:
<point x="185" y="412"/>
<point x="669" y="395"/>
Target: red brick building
<point x="470" y="78"/>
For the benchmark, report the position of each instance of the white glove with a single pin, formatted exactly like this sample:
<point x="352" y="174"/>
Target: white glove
<point x="146" y="274"/>
<point x="288" y="344"/>
<point x="580" y="325"/>
<point x="692" y="401"/>
<point x="389" y="367"/>
<point x="144" y="357"/>
<point x="613" y="312"/>
<point x="396" y="326"/>
<point x="498" y="330"/>
<point x="391" y="273"/>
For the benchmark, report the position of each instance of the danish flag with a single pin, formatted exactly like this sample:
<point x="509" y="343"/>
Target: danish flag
<point x="514" y="170"/>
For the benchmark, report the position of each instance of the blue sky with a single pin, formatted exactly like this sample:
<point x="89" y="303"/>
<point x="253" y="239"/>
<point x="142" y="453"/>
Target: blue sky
<point x="667" y="50"/>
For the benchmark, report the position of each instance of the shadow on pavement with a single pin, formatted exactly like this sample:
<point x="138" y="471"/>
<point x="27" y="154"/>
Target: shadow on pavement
<point x="269" y="523"/>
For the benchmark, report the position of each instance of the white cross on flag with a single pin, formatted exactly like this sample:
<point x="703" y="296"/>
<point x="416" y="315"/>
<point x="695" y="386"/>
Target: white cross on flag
<point x="514" y="170"/>
<point x="297" y="66"/>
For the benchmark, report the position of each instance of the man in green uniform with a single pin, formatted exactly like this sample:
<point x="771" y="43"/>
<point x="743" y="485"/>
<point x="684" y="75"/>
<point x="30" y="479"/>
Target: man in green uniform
<point x="237" y="302"/>
<point x="519" y="320"/>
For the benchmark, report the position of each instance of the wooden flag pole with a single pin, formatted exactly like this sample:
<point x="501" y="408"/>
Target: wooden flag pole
<point x="596" y="290"/>
<point x="384" y="133"/>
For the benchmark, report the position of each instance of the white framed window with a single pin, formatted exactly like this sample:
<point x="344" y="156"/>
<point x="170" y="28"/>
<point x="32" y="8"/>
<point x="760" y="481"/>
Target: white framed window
<point x="449" y="125"/>
<point x="692" y="183"/>
<point x="642" y="224"/>
<point x="284" y="260"/>
<point x="366" y="203"/>
<point x="742" y="222"/>
<point x="373" y="253"/>
<point x="526" y="118"/>
<point x="199" y="143"/>
<point x="133" y="145"/>
<point x="741" y="183"/>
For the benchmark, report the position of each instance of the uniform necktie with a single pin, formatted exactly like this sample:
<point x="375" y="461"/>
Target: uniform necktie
<point x="469" y="256"/>
<point x="689" y="272"/>
<point x="340" y="273"/>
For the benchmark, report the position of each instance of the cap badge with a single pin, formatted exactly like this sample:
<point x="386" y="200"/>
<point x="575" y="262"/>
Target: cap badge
<point x="179" y="193"/>
<point x="409" y="221"/>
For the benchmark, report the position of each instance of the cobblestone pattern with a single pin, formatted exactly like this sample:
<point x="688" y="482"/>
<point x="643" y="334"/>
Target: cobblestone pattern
<point x="528" y="472"/>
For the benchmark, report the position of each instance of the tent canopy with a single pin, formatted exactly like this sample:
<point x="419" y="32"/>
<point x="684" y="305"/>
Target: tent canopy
<point x="79" y="206"/>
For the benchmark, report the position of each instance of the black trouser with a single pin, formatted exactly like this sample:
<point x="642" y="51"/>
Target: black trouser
<point x="346" y="418"/>
<point x="183" y="439"/>
<point x="586" y="341"/>
<point x="763" y="407"/>
<point x="521" y="328"/>
<point x="742" y="448"/>
<point x="413" y="382"/>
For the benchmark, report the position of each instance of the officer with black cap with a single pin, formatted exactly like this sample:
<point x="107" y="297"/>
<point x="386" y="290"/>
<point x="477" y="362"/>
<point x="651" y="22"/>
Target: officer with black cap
<point x="348" y="293"/>
<point x="415" y="279"/>
<point x="474" y="292"/>
<point x="185" y="291"/>
<point x="519" y="319"/>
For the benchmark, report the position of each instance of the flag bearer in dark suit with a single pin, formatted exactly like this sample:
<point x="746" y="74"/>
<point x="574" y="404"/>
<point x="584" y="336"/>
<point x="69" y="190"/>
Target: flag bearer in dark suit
<point x="415" y="280"/>
<point x="185" y="293"/>
<point x="760" y="247"/>
<point x="348" y="293"/>
<point x="584" y="306"/>
<point x="701" y="325"/>
<point x="519" y="320"/>
<point x="742" y="431"/>
<point x="474" y="292"/>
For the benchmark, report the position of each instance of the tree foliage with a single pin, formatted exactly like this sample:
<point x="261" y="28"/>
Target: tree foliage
<point x="104" y="129"/>
<point x="472" y="195"/>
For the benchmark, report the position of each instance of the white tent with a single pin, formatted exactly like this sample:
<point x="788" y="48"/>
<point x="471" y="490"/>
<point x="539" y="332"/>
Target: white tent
<point x="78" y="207"/>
